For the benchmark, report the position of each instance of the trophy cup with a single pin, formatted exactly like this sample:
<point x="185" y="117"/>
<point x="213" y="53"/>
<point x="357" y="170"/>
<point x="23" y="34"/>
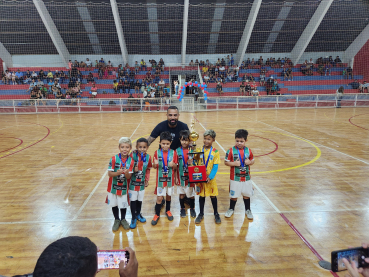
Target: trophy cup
<point x="196" y="173"/>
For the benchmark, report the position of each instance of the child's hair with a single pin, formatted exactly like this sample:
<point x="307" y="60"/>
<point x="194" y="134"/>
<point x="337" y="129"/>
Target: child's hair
<point x="125" y="140"/>
<point x="241" y="133"/>
<point x="166" y="136"/>
<point x="184" y="134"/>
<point x="210" y="133"/>
<point x="142" y="140"/>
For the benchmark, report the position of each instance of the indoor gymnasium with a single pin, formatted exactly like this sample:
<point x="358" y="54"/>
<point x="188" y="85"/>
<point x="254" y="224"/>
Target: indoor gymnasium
<point x="184" y="138"/>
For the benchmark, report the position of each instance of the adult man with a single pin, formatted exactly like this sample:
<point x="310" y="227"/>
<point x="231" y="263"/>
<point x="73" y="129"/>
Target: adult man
<point x="172" y="125"/>
<point x="77" y="256"/>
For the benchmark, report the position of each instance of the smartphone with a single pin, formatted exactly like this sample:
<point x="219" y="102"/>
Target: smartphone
<point x="357" y="255"/>
<point x="110" y="259"/>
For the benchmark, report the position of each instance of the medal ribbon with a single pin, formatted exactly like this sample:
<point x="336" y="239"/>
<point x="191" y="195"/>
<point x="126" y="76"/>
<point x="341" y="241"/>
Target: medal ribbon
<point x="123" y="165"/>
<point x="203" y="156"/>
<point x="165" y="167"/>
<point x="183" y="157"/>
<point x="143" y="159"/>
<point x="239" y="155"/>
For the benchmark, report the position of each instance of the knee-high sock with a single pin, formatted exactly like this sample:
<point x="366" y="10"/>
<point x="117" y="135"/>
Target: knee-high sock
<point x="232" y="203"/>
<point x="214" y="202"/>
<point x="133" y="209"/>
<point x="123" y="213"/>
<point x="139" y="206"/>
<point x="157" y="209"/>
<point x="247" y="203"/>
<point x="192" y="203"/>
<point x="181" y="201"/>
<point x="202" y="204"/>
<point x="115" y="212"/>
<point x="167" y="208"/>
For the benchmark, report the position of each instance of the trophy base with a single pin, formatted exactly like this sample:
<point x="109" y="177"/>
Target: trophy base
<point x="197" y="174"/>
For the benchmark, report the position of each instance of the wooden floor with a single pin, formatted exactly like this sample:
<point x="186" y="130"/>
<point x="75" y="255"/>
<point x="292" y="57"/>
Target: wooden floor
<point x="311" y="170"/>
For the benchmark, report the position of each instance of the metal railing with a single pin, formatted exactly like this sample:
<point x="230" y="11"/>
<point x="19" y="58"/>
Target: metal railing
<point x="283" y="102"/>
<point x="82" y="105"/>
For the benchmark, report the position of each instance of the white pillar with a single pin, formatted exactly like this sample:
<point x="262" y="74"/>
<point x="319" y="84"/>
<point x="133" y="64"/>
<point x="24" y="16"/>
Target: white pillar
<point x="152" y="14"/>
<point x="310" y="30"/>
<point x="215" y="27"/>
<point x="53" y="31"/>
<point x="118" y="25"/>
<point x="184" y="31"/>
<point x="5" y="56"/>
<point x="247" y="31"/>
<point x="355" y="46"/>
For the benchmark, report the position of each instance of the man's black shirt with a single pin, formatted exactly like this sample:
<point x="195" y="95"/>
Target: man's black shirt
<point x="163" y="126"/>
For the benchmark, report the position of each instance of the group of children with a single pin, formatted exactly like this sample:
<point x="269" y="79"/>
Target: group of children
<point x="129" y="174"/>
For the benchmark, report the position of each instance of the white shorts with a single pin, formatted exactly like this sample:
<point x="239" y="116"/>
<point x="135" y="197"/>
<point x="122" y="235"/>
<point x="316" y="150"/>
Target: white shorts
<point x="240" y="188"/>
<point x="136" y="195"/>
<point x="114" y="200"/>
<point x="164" y="191"/>
<point x="189" y="191"/>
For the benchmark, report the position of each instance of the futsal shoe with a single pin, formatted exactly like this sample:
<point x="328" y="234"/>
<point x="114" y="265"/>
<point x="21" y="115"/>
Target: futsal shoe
<point x="229" y="213"/>
<point x="155" y="220"/>
<point x="193" y="213"/>
<point x="199" y="218"/>
<point x="183" y="213"/>
<point x="249" y="214"/>
<point x="169" y="215"/>
<point x="125" y="224"/>
<point x="217" y="219"/>
<point x="141" y="218"/>
<point x="133" y="223"/>
<point x="116" y="225"/>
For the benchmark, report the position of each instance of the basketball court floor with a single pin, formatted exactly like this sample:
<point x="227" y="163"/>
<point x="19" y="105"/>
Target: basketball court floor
<point x="310" y="179"/>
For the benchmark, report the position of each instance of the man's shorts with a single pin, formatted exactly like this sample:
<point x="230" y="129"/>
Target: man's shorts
<point x="114" y="200"/>
<point x="164" y="191"/>
<point x="207" y="189"/>
<point x="189" y="191"/>
<point x="236" y="189"/>
<point x="136" y="195"/>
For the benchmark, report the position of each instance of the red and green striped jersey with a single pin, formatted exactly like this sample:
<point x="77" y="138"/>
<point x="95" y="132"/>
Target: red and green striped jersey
<point x="182" y="171"/>
<point x="118" y="185"/>
<point x="138" y="178"/>
<point x="165" y="179"/>
<point x="239" y="173"/>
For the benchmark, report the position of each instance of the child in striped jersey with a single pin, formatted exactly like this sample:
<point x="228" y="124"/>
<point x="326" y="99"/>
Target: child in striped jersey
<point x="165" y="161"/>
<point x="239" y="158"/>
<point x="139" y="174"/>
<point x="118" y="182"/>
<point x="183" y="186"/>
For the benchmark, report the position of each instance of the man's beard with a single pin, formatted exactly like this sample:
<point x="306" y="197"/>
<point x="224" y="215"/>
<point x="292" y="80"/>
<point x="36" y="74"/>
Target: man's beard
<point x="172" y="122"/>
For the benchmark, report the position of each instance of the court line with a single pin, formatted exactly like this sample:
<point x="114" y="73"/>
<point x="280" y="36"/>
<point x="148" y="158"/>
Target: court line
<point x="355" y="124"/>
<point x="21" y="141"/>
<point x="307" y="140"/>
<point x="96" y="187"/>
<point x="136" y="129"/>
<point x="335" y="120"/>
<point x="312" y="249"/>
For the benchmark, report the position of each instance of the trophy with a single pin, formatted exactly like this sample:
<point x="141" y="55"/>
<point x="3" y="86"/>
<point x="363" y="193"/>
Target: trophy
<point x="196" y="173"/>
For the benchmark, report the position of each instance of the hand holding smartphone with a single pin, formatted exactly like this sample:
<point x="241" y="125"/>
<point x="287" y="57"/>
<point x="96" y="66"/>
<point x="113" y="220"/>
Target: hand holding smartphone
<point x="356" y="255"/>
<point x="110" y="259"/>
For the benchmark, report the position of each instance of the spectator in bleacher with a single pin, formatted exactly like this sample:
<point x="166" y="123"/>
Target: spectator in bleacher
<point x="137" y="86"/>
<point x="74" y="72"/>
<point x="355" y="84"/>
<point x="27" y="77"/>
<point x="59" y="95"/>
<point x="268" y="85"/>
<point x="55" y="88"/>
<point x="242" y="89"/>
<point x="220" y="88"/>
<point x="232" y="60"/>
<point x="364" y="86"/>
<point x="127" y="86"/>
<point x="162" y="83"/>
<point x="109" y="64"/>
<point x="207" y="79"/>
<point x="310" y="72"/>
<point x="157" y="72"/>
<point x="75" y="64"/>
<point x="115" y="86"/>
<point x="49" y="76"/>
<point x="303" y="69"/>
<point x="327" y="68"/>
<point x="70" y="64"/>
<point x="43" y="90"/>
<point x="137" y="67"/>
<point x="82" y="64"/>
<point x="32" y="85"/>
<point x="319" y="60"/>
<point x="79" y="76"/>
<point x="349" y="73"/>
<point x="337" y="61"/>
<point x="96" y="63"/>
<point x="50" y="83"/>
<point x="19" y="77"/>
<point x="56" y="76"/>
<point x="161" y="64"/>
<point x="93" y="90"/>
<point x="320" y="69"/>
<point x="143" y="65"/>
<point x="13" y="78"/>
<point x="222" y="62"/>
<point x="102" y="62"/>
<point x="39" y="83"/>
<point x="191" y="63"/>
<point x="120" y="86"/>
<point x="90" y="78"/>
<point x="222" y="70"/>
<point x="204" y="69"/>
<point x="33" y="95"/>
<point x="101" y="72"/>
<point x="289" y="74"/>
<point x="275" y="88"/>
<point x="7" y="77"/>
<point x="262" y="78"/>
<point x="330" y="60"/>
<point x="62" y="76"/>
<point x="196" y="62"/>
<point x="88" y="63"/>
<point x="228" y="61"/>
<point x="261" y="61"/>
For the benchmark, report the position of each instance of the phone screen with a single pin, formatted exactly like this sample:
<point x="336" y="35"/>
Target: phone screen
<point x="351" y="255"/>
<point x="110" y="259"/>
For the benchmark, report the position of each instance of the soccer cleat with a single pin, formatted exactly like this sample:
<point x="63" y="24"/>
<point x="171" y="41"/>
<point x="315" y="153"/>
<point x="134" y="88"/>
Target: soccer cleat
<point x="155" y="220"/>
<point x="249" y="214"/>
<point x="199" y="218"/>
<point x="183" y="213"/>
<point x="141" y="219"/>
<point x="217" y="219"/>
<point x="133" y="223"/>
<point x="169" y="215"/>
<point x="116" y="225"/>
<point x="229" y="213"/>
<point x="193" y="213"/>
<point x="125" y="224"/>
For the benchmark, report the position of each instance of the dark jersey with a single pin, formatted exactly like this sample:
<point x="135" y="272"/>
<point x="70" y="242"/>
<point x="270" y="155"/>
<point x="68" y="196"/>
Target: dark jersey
<point x="163" y="126"/>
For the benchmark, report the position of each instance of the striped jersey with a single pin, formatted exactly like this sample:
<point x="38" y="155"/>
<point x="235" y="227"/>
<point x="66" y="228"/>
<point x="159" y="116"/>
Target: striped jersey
<point x="214" y="159"/>
<point x="239" y="173"/>
<point x="118" y="184"/>
<point x="165" y="178"/>
<point x="182" y="171"/>
<point x="138" y="178"/>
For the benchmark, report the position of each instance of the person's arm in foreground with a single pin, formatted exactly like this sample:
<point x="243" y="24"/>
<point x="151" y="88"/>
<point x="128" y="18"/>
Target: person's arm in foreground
<point x="131" y="270"/>
<point x="353" y="271"/>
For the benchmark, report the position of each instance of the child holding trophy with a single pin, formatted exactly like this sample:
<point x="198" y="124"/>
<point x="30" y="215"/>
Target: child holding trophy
<point x="165" y="161"/>
<point x="210" y="158"/>
<point x="184" y="188"/>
